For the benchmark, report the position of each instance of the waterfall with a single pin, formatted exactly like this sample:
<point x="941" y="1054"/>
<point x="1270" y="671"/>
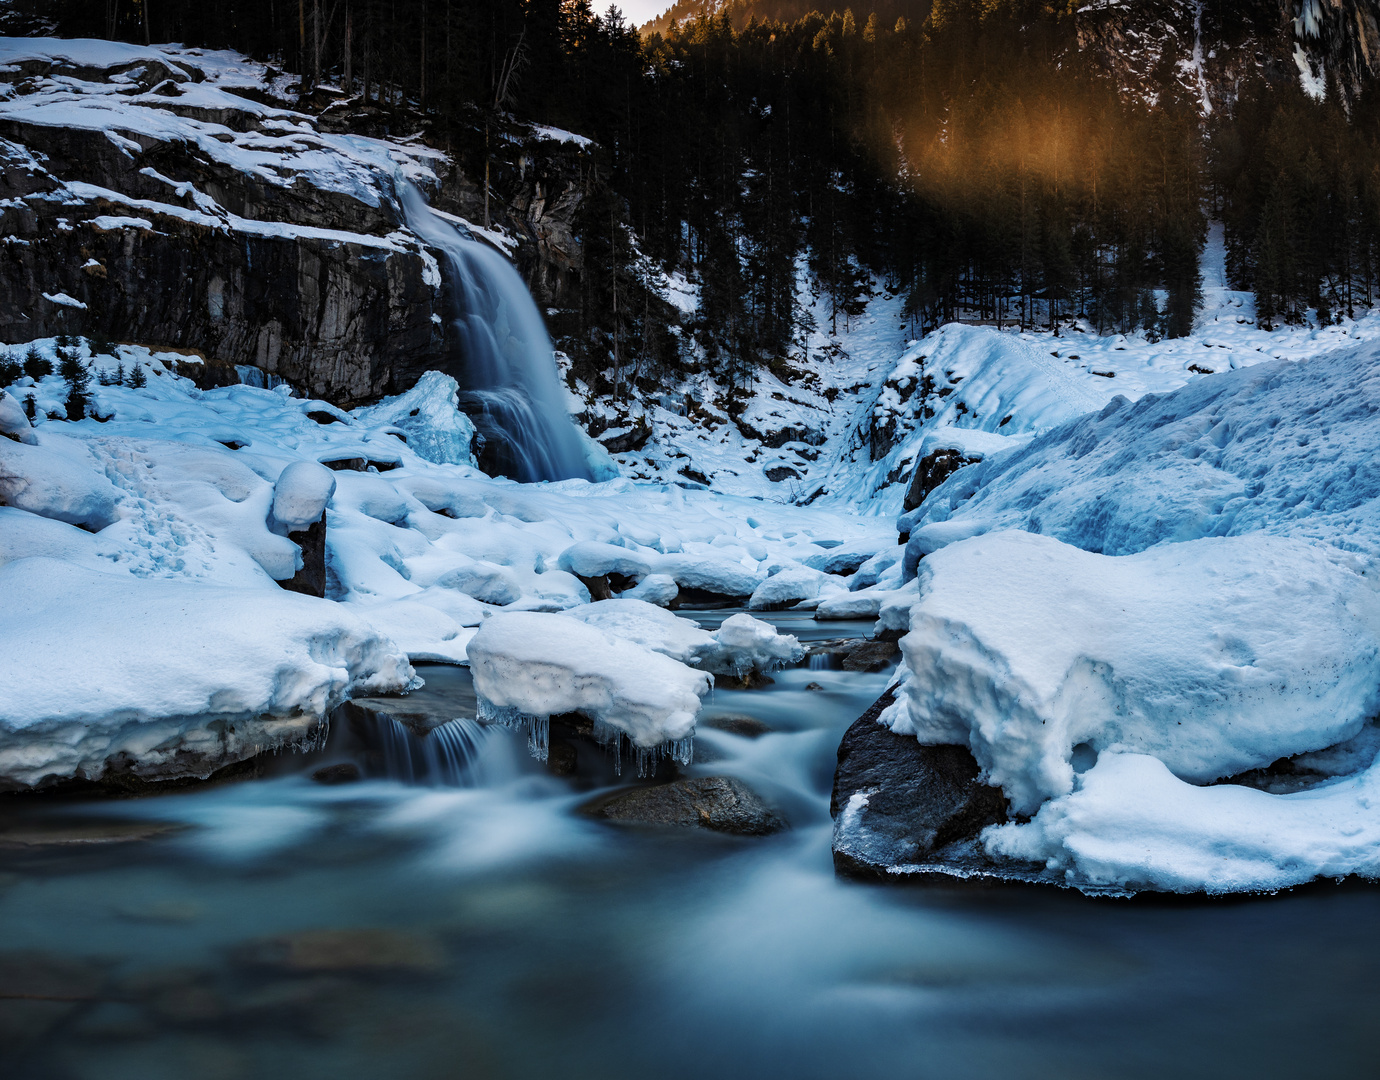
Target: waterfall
<point x="504" y="363"/>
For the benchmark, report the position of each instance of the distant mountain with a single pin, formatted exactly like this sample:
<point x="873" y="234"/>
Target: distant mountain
<point x="1207" y="46"/>
<point x="740" y="11"/>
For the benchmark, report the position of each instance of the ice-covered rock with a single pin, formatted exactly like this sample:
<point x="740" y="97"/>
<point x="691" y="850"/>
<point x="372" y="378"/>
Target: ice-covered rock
<point x="301" y="494"/>
<point x="743" y="644"/>
<point x="709" y="573"/>
<point x="1215" y="656"/>
<point x="649" y="626"/>
<point x="591" y="559"/>
<point x="789" y="586"/>
<point x="659" y="589"/>
<point x="531" y="666"/>
<point x="429" y="416"/>
<point x="1288" y="447"/>
<point x="162" y="678"/>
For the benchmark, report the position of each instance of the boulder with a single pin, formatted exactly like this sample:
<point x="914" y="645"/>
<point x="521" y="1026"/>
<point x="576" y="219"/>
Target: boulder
<point x="720" y="803"/>
<point x="902" y="809"/>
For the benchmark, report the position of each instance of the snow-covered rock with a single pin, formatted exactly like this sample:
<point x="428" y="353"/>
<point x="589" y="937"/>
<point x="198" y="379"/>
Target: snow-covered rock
<point x="13" y="422"/>
<point x="57" y="479"/>
<point x="529" y="667"/>
<point x="1215" y="656"/>
<point x="162" y="678"/>
<point x="301" y="494"/>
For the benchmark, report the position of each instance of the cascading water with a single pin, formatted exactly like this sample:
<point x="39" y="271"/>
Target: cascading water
<point x="505" y="361"/>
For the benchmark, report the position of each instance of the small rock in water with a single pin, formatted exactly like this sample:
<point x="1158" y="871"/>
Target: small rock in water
<point x="362" y="950"/>
<point x="342" y="772"/>
<point x="813" y="686"/>
<point x="720" y="803"/>
<point x="871" y="656"/>
<point x="753" y="680"/>
<point x="749" y="727"/>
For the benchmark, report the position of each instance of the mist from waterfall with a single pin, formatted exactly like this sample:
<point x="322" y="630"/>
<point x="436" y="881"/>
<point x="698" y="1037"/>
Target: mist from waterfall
<point x="505" y="363"/>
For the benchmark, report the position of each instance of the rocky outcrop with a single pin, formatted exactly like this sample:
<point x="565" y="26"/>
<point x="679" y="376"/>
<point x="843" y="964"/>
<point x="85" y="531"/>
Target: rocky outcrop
<point x="1208" y="49"/>
<point x="905" y="810"/>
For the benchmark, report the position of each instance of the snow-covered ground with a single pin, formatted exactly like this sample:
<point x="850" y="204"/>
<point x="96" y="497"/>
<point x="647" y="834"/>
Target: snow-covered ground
<point x="200" y="488"/>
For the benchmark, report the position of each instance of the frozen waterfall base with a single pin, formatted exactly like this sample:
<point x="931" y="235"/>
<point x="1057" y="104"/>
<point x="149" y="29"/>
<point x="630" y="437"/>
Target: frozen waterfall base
<point x="908" y="812"/>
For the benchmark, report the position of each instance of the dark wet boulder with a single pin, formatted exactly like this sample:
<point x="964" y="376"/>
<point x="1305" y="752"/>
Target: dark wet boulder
<point x="904" y="809"/>
<point x="931" y="471"/>
<point x="720" y="803"/>
<point x="871" y="656"/>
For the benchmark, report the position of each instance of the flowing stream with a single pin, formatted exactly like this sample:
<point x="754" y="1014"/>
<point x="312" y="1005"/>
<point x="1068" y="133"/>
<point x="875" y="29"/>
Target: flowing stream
<point x="453" y="915"/>
<point x="502" y="355"/>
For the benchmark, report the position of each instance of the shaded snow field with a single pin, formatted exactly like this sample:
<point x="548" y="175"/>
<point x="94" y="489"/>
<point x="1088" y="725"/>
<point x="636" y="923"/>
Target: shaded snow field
<point x="160" y="534"/>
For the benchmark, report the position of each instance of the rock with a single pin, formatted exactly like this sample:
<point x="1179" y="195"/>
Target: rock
<point x="311" y="579"/>
<point x="720" y="803"/>
<point x="360" y="950"/>
<point x="561" y="758"/>
<point x="813" y="686"/>
<point x="343" y="772"/>
<point x="753" y="680"/>
<point x="749" y="727"/>
<point x="41" y="831"/>
<point x="871" y="656"/>
<point x="931" y="471"/>
<point x="904" y="809"/>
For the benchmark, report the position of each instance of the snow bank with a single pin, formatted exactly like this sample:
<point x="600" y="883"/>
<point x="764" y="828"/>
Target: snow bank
<point x="529" y="667"/>
<point x="57" y="479"/>
<point x="1132" y="824"/>
<point x="1286" y="447"/>
<point x="161" y="677"/>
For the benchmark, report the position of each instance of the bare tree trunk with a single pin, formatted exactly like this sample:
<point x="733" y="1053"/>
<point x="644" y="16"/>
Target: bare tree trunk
<point x="148" y="40"/>
<point x="349" y="37"/>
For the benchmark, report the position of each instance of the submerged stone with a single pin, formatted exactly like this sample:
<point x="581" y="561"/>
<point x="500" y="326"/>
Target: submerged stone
<point x="720" y="803"/>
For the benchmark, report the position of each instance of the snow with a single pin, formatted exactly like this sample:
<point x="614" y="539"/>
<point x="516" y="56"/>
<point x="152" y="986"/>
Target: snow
<point x="1173" y="592"/>
<point x="1023" y="647"/>
<point x="531" y="666"/>
<point x="542" y="131"/>
<point x="58" y="479"/>
<point x="301" y="494"/>
<point x="741" y="645"/>
<point x="64" y="300"/>
<point x="177" y="675"/>
<point x="194" y="488"/>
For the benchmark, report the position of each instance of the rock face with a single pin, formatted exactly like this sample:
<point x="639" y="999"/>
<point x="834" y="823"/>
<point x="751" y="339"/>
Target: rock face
<point x="931" y="471"/>
<point x="905" y="810"/>
<point x="720" y="803"/>
<point x="151" y="197"/>
<point x="1210" y="48"/>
